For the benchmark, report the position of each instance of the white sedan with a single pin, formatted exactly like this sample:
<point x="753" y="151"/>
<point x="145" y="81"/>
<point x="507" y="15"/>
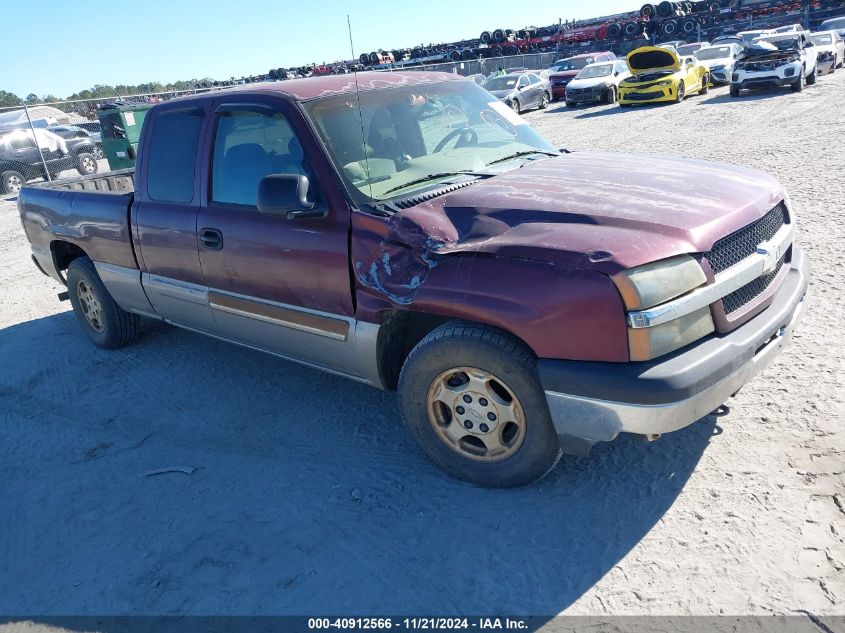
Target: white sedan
<point x="597" y="83"/>
<point x="719" y="60"/>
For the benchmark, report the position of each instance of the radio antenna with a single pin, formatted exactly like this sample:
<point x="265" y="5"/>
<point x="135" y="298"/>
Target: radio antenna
<point x="355" y="61"/>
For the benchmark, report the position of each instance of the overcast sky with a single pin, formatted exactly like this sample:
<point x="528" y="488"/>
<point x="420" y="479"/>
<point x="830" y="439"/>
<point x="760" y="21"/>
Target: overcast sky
<point x="74" y="45"/>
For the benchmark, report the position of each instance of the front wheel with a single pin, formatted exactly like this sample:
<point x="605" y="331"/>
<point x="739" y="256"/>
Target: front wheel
<point x="704" y="87"/>
<point x="681" y="91"/>
<point x="610" y="97"/>
<point x="811" y="78"/>
<point x="86" y="164"/>
<point x="107" y="324"/>
<point x="734" y="91"/>
<point x="799" y="84"/>
<point x="471" y="398"/>
<point x="545" y="101"/>
<point x="98" y="152"/>
<point x="516" y="107"/>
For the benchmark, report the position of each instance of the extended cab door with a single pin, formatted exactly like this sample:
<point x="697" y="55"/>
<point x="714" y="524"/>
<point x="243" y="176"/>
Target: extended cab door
<point x="276" y="284"/>
<point x="164" y="214"/>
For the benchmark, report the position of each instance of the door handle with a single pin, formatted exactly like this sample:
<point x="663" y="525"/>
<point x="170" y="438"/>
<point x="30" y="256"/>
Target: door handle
<point x="212" y="239"/>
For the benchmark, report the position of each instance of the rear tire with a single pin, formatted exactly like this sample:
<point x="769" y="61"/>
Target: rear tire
<point x="86" y="164"/>
<point x="498" y="433"/>
<point x="11" y="182"/>
<point x="107" y="324"/>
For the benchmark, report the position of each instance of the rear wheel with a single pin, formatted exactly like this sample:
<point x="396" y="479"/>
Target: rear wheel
<point x="107" y="324"/>
<point x="11" y="182"/>
<point x="471" y="398"/>
<point x="86" y="164"/>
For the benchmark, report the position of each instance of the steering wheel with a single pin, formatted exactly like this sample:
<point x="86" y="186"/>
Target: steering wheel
<point x="467" y="136"/>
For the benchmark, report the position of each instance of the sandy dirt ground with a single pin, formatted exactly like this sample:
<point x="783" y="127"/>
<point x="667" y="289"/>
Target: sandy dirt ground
<point x="310" y="498"/>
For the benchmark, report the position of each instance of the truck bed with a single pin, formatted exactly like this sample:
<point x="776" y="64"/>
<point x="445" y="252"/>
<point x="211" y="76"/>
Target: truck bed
<point x="88" y="212"/>
<point x="120" y="181"/>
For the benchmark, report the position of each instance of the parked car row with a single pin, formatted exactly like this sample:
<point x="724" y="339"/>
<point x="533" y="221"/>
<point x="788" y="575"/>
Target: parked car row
<point x="784" y="57"/>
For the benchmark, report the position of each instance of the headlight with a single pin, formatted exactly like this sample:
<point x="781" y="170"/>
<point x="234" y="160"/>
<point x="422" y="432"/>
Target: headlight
<point x="656" y="283"/>
<point x="664" y="83"/>
<point x="651" y="342"/>
<point x="652" y="284"/>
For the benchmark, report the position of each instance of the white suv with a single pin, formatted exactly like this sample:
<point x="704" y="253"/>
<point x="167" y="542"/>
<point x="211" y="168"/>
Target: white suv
<point x="774" y="61"/>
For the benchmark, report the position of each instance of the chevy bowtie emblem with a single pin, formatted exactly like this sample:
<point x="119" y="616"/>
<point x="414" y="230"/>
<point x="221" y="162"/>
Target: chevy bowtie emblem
<point x="771" y="253"/>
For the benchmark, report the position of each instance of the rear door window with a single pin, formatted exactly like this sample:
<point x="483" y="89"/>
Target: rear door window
<point x="172" y="155"/>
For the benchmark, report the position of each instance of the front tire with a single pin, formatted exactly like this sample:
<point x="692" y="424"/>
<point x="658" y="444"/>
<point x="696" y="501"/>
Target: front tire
<point x="610" y="97"/>
<point x="86" y="164"/>
<point x="107" y="324"/>
<point x="704" y="87"/>
<point x="734" y="91"/>
<point x="799" y="84"/>
<point x="545" y="102"/>
<point x="516" y="107"/>
<point x="11" y="182"/>
<point x="682" y="90"/>
<point x="811" y="78"/>
<point x="471" y="398"/>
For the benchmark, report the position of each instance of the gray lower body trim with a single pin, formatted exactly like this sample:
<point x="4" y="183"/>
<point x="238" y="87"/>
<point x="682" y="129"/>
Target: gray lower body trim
<point x="592" y="420"/>
<point x="124" y="285"/>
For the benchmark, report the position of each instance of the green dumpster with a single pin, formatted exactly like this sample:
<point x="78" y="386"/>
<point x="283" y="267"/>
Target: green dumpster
<point x="121" y="125"/>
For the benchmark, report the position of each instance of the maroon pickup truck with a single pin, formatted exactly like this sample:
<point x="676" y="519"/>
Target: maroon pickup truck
<point x="416" y="234"/>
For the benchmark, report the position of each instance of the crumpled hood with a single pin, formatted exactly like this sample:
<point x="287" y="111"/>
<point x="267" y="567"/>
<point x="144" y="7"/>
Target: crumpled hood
<point x="593" y="210"/>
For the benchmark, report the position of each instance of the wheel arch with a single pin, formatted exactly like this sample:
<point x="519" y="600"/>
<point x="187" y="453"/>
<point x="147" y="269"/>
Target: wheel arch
<point x="64" y="253"/>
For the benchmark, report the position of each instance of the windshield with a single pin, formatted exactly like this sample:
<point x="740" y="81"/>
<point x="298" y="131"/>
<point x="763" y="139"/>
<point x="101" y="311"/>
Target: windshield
<point x="836" y="23"/>
<point x="782" y="42"/>
<point x="688" y="49"/>
<point x="576" y="63"/>
<point x="713" y="53"/>
<point x="595" y="70"/>
<point x="501" y="83"/>
<point x="415" y="132"/>
<point x="822" y="40"/>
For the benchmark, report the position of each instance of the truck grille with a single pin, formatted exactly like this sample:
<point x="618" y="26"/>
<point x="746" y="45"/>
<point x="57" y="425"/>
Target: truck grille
<point x="749" y="292"/>
<point x="743" y="243"/>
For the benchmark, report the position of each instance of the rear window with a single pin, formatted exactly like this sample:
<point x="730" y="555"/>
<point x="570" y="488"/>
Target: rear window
<point x="173" y="154"/>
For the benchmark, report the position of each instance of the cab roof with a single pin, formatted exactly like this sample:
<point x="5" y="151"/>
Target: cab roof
<point x="330" y="85"/>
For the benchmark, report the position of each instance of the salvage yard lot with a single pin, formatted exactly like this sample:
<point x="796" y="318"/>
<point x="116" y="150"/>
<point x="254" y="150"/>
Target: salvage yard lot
<point x="310" y="498"/>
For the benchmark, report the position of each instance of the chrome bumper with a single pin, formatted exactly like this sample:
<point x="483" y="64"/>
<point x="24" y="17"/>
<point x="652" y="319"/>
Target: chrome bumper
<point x="581" y="421"/>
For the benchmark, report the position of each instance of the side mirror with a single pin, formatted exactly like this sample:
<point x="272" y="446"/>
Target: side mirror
<point x="287" y="195"/>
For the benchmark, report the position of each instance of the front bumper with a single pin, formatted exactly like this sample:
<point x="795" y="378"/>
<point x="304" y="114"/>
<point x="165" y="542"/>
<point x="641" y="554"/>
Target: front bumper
<point x="779" y="77"/>
<point x="651" y="94"/>
<point x="593" y="402"/>
<point x="586" y="96"/>
<point x="720" y="75"/>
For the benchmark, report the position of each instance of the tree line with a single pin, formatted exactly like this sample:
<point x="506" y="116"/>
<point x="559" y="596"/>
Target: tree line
<point x="9" y="99"/>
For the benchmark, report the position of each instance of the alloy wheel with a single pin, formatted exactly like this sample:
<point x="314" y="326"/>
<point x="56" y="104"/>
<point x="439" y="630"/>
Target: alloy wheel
<point x="91" y="307"/>
<point x="476" y="414"/>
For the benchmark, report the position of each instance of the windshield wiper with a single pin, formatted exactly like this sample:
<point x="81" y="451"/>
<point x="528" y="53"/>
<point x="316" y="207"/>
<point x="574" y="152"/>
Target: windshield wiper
<point x="429" y="177"/>
<point x="520" y="154"/>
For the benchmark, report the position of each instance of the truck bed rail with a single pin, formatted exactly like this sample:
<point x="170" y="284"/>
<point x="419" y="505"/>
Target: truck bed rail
<point x="121" y="181"/>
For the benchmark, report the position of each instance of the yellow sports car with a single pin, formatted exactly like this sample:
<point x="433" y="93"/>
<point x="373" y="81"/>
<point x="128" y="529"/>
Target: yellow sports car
<point x="659" y="75"/>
